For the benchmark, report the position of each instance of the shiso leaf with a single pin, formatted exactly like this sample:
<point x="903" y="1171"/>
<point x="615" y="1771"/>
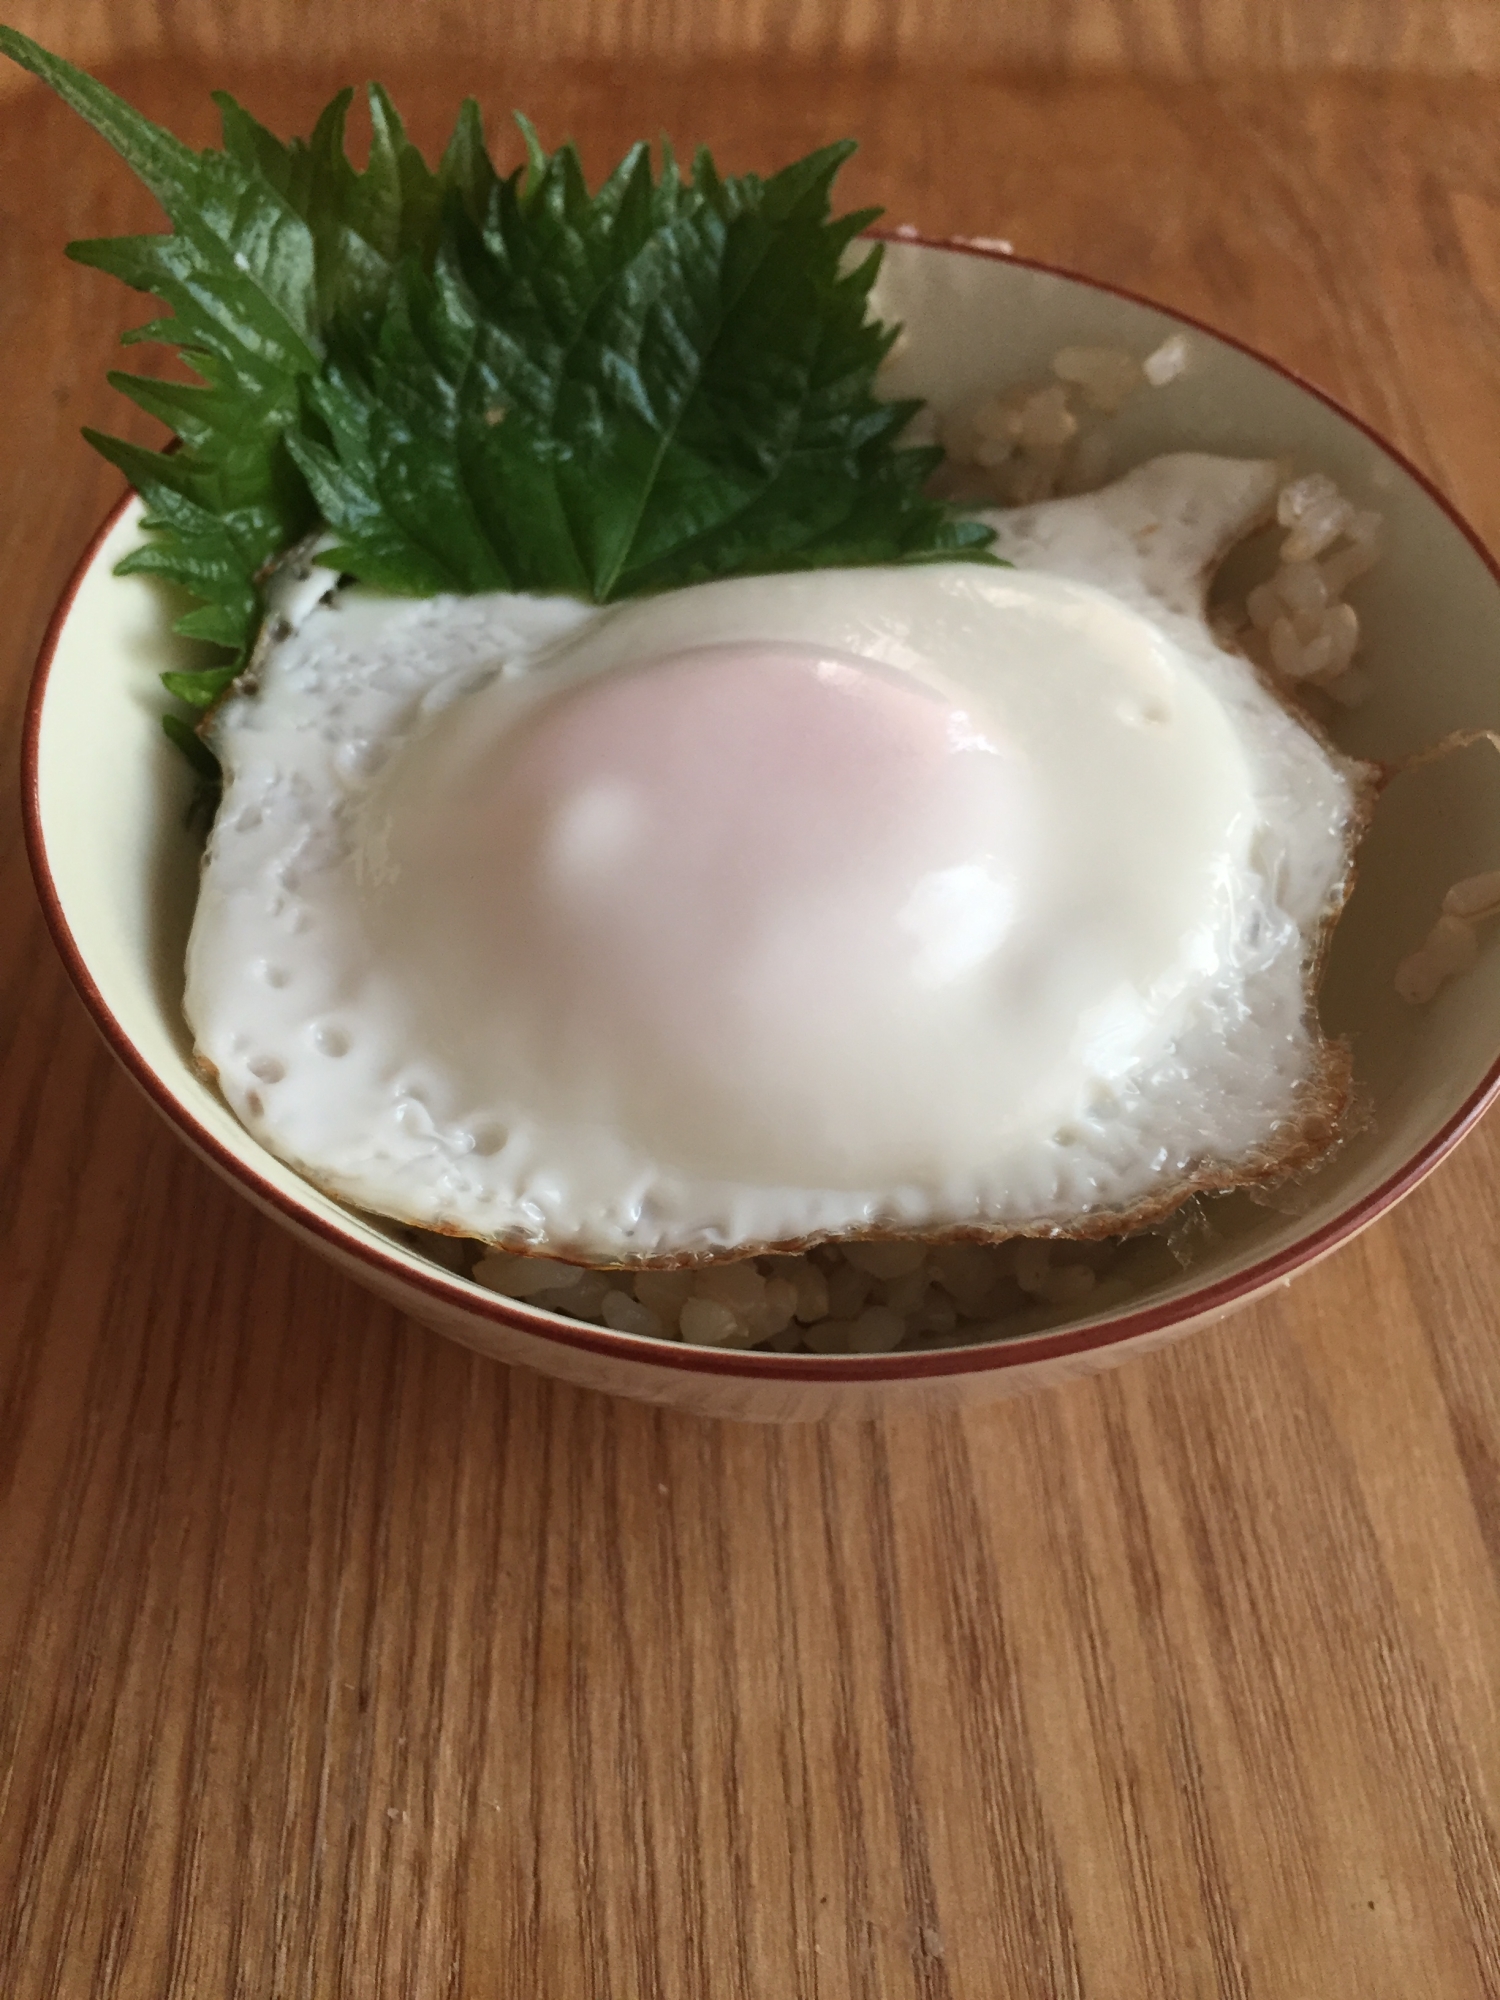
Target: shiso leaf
<point x="496" y="383"/>
<point x="271" y="243"/>
<point x="665" y="382"/>
<point x="192" y="747"/>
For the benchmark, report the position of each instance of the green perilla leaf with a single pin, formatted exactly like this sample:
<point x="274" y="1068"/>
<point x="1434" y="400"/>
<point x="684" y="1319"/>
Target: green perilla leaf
<point x="667" y="381"/>
<point x="486" y="383"/>
<point x="271" y="244"/>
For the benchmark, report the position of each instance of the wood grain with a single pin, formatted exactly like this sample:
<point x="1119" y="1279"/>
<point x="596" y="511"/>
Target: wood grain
<point x="1179" y="39"/>
<point x="336" y="1662"/>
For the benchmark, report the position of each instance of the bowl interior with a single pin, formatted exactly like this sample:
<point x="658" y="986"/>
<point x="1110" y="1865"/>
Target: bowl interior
<point x="112" y="797"/>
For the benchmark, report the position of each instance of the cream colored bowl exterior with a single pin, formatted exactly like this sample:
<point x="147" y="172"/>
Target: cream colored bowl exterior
<point x="116" y="869"/>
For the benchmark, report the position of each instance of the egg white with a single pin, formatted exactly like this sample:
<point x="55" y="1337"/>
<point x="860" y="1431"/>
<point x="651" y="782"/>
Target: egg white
<point x="519" y="918"/>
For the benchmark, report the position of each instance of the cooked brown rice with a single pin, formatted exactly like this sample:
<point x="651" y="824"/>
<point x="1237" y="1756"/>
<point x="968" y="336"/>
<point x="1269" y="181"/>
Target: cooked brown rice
<point x="853" y="1298"/>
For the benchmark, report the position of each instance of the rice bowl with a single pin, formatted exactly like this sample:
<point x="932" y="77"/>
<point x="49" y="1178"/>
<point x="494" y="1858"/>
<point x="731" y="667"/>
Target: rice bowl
<point x="1034" y="1313"/>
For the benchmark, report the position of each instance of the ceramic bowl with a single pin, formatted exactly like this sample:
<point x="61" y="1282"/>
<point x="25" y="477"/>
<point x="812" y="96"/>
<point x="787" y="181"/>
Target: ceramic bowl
<point x="116" y="868"/>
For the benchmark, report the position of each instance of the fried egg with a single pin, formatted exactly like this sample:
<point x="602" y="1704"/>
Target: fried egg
<point x="935" y="900"/>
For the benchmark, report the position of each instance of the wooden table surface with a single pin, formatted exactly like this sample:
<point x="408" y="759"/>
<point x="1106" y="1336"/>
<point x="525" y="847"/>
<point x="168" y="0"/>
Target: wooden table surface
<point x="336" y="1661"/>
<point x="1181" y="39"/>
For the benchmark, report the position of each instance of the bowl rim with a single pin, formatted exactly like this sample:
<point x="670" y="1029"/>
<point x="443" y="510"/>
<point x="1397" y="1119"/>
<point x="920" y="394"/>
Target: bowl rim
<point x="447" y="1289"/>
